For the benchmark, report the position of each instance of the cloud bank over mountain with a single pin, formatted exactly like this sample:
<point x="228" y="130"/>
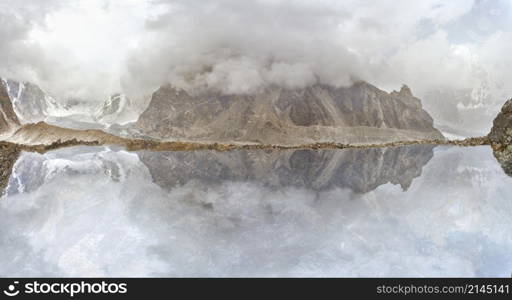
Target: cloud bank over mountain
<point x="240" y="46"/>
<point x="91" y="49"/>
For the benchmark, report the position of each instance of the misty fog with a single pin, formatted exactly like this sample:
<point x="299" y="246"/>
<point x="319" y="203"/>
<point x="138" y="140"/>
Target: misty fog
<point x="453" y="54"/>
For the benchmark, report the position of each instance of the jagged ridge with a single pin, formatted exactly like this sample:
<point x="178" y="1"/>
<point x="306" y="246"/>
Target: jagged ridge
<point x="358" y="114"/>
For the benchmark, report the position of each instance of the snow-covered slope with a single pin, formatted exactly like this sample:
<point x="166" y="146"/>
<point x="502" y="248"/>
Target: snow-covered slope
<point x="117" y="109"/>
<point x="463" y="112"/>
<point x="33" y="105"/>
<point x="30" y="103"/>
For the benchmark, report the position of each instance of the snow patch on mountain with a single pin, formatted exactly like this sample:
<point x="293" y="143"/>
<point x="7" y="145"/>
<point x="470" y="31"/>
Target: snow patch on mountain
<point x="117" y="109"/>
<point x="30" y="103"/>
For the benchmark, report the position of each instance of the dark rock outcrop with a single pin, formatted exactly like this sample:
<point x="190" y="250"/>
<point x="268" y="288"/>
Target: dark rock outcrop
<point x="358" y="114"/>
<point x="501" y="132"/>
<point x="501" y="137"/>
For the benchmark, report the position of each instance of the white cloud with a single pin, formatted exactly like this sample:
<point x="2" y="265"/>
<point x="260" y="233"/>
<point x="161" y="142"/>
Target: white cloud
<point x="93" y="48"/>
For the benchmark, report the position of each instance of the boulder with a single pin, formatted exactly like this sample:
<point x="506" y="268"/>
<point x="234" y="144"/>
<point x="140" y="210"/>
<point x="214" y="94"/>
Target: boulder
<point x="501" y="132"/>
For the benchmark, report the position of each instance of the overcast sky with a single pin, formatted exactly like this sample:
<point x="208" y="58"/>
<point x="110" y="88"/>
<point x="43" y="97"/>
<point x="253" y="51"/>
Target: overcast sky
<point x="92" y="48"/>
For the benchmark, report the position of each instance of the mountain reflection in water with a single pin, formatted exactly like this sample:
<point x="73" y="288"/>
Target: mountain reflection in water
<point x="361" y="170"/>
<point x="405" y="211"/>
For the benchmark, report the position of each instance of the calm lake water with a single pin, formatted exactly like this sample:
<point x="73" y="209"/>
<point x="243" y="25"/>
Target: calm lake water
<point x="406" y="211"/>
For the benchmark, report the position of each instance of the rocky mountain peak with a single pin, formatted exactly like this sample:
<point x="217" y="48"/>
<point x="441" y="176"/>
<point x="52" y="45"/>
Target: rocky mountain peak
<point x="30" y="103"/>
<point x="507" y="107"/>
<point x="405" y="91"/>
<point x="361" y="113"/>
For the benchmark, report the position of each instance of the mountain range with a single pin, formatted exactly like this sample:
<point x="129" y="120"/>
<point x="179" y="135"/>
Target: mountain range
<point x="359" y="114"/>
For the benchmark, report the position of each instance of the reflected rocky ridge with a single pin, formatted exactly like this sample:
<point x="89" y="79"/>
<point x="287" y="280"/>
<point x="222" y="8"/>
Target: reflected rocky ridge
<point x="504" y="157"/>
<point x="8" y="156"/>
<point x="360" y="170"/>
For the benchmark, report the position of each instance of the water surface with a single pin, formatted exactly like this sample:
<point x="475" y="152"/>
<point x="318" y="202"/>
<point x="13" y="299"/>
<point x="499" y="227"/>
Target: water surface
<point x="405" y="211"/>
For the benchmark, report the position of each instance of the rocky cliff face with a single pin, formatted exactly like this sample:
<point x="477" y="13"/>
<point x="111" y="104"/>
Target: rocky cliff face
<point x="357" y="114"/>
<point x="501" y="132"/>
<point x="501" y="137"/>
<point x="8" y="118"/>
